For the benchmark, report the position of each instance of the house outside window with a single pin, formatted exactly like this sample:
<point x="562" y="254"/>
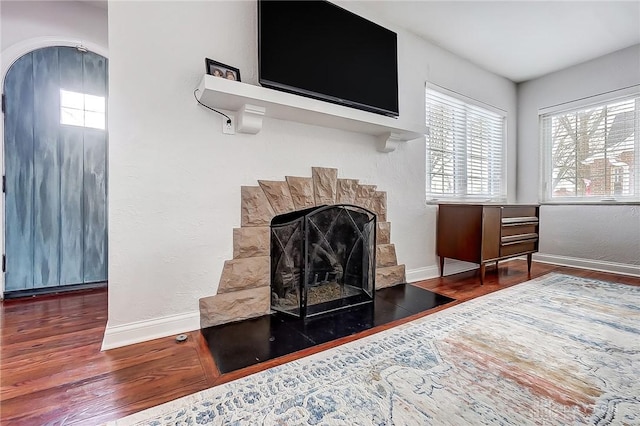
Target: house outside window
<point x="590" y="153"/>
<point x="465" y="148"/>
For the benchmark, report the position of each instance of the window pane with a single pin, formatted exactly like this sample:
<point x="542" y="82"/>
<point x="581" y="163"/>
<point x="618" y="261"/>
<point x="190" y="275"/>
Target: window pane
<point x="73" y="117"/>
<point x="94" y="120"/>
<point x="94" y="103"/>
<point x="79" y="109"/>
<point x="593" y="151"/>
<point x="465" y="149"/>
<point x="71" y="99"/>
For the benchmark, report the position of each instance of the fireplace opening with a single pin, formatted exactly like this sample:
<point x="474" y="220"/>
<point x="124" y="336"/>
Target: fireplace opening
<point x="322" y="259"/>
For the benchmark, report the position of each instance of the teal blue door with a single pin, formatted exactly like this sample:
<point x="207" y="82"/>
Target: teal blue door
<point x="55" y="153"/>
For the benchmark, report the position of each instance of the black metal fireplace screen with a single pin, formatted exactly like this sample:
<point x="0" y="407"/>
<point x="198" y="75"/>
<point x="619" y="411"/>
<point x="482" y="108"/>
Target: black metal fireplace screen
<point x="322" y="259"/>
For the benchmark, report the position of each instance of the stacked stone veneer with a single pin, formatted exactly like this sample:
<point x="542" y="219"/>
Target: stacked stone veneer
<point x="244" y="290"/>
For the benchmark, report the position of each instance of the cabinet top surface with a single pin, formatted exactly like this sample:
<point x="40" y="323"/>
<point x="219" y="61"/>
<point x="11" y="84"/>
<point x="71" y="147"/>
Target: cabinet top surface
<point x="487" y="205"/>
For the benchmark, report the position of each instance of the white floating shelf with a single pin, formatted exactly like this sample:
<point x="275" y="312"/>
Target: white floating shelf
<point x="251" y="103"/>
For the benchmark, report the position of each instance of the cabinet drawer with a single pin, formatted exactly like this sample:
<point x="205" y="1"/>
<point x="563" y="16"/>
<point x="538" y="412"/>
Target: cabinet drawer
<point x="518" y="229"/>
<point x="522" y="211"/>
<point x="520" y="238"/>
<point x="518" y="248"/>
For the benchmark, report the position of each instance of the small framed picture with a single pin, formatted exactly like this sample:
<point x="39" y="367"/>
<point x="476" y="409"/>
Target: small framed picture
<point x="218" y="69"/>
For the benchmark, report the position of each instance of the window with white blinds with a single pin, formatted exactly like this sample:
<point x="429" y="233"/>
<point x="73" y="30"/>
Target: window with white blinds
<point x="465" y="149"/>
<point x="591" y="153"/>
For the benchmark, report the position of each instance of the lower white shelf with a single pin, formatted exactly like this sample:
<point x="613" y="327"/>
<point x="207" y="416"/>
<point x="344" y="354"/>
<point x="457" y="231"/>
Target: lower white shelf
<point x="251" y="103"/>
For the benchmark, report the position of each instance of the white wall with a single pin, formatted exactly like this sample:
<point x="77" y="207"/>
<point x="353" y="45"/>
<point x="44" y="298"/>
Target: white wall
<point x="175" y="180"/>
<point x="588" y="235"/>
<point x="29" y="25"/>
<point x="26" y="20"/>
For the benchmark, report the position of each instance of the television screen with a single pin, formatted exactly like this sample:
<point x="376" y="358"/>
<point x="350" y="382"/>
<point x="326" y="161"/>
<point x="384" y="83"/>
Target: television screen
<point x="317" y="49"/>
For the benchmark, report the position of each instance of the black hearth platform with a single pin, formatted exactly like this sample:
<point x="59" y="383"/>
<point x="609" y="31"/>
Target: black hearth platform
<point x="244" y="343"/>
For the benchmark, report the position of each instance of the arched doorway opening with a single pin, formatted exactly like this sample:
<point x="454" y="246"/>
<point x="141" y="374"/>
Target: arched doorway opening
<point x="55" y="156"/>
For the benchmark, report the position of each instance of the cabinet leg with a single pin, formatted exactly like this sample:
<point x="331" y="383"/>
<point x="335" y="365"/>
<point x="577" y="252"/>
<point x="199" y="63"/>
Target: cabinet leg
<point x="529" y="258"/>
<point x="483" y="269"/>
<point x="441" y="266"/>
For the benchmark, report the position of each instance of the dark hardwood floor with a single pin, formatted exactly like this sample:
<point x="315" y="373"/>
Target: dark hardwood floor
<point x="52" y="370"/>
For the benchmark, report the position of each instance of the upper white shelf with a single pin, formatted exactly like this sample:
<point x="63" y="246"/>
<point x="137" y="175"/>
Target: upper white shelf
<point x="251" y="103"/>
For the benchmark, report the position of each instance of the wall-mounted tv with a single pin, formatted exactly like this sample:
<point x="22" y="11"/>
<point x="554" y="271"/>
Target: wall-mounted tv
<point x="320" y="50"/>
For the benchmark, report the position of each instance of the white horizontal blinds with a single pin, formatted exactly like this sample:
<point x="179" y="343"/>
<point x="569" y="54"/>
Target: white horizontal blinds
<point x="465" y="149"/>
<point x="592" y="153"/>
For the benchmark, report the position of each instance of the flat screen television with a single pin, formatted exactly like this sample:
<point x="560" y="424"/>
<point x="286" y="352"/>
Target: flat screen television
<point x="320" y="50"/>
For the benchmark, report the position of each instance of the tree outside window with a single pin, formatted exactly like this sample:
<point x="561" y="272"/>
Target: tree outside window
<point x="465" y="149"/>
<point x="593" y="152"/>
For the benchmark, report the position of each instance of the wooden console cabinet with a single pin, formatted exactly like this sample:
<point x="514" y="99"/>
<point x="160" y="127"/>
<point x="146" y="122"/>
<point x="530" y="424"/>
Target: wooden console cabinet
<point x="484" y="233"/>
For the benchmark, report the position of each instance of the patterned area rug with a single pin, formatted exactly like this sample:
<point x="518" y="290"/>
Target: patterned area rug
<point x="555" y="350"/>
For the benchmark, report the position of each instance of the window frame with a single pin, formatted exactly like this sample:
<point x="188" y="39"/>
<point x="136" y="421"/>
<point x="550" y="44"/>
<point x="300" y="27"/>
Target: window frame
<point x="83" y="110"/>
<point x="432" y="198"/>
<point x="545" y="195"/>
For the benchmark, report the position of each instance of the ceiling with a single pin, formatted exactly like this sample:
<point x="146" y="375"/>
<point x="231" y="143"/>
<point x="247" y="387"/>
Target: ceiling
<point x="519" y="40"/>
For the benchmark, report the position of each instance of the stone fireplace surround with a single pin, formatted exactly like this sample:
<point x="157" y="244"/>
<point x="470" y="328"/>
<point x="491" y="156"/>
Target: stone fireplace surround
<point x="244" y="288"/>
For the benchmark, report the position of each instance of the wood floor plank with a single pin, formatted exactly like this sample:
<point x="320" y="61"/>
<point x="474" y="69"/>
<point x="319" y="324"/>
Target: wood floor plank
<point x="52" y="343"/>
<point x="53" y="372"/>
<point x="84" y="400"/>
<point x="206" y="360"/>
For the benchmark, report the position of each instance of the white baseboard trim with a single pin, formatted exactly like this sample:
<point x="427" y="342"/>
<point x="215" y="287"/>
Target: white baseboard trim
<point x="141" y="331"/>
<point x="594" y="265"/>
<point x="450" y="267"/>
<point x="425" y="273"/>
